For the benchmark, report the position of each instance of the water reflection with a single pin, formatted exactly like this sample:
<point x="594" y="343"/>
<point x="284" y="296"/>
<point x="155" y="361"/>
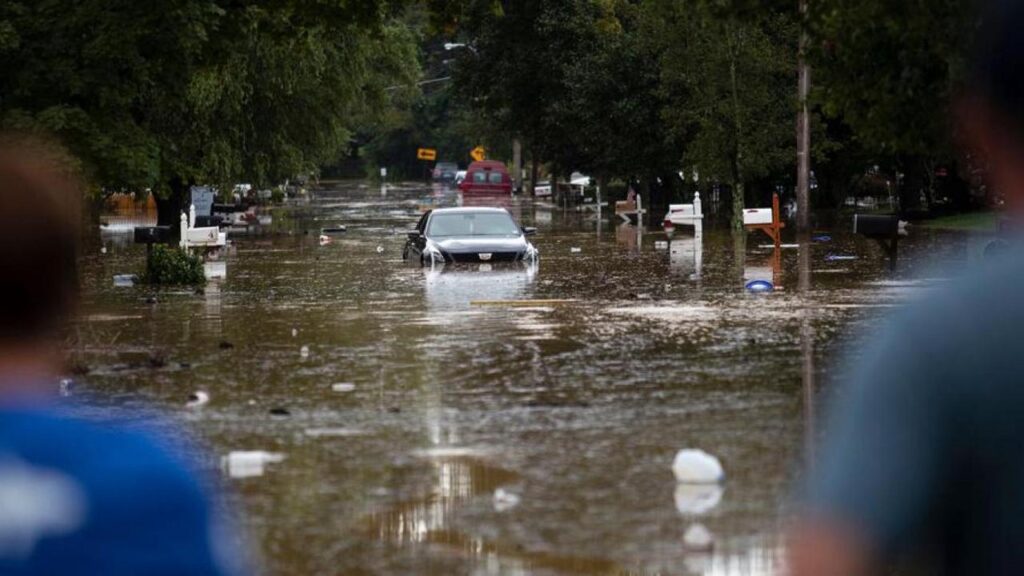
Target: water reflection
<point x="457" y="287"/>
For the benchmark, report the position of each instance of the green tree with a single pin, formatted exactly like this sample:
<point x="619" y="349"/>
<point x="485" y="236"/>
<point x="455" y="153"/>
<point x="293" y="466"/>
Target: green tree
<point x="890" y="70"/>
<point x="163" y="94"/>
<point x="730" y="83"/>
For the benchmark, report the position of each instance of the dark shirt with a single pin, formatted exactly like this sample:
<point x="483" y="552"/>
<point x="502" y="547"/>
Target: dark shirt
<point x="925" y="450"/>
<point x="81" y="498"/>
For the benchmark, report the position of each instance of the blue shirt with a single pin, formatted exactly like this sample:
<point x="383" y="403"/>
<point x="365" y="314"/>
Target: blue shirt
<point x="81" y="498"/>
<point x="925" y="448"/>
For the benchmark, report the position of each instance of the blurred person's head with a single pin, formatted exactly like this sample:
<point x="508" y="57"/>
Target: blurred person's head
<point x="40" y="201"/>
<point x="992" y="111"/>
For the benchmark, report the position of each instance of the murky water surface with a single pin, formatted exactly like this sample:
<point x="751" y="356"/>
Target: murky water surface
<point x="394" y="404"/>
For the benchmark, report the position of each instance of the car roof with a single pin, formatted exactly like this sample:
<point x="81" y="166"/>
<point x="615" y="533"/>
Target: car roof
<point x="487" y="164"/>
<point x="481" y="209"/>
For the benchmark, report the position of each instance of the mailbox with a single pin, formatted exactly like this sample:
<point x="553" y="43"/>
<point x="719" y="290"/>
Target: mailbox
<point x="153" y="235"/>
<point x="209" y="221"/>
<point x="756" y="216"/>
<point x="876" y="225"/>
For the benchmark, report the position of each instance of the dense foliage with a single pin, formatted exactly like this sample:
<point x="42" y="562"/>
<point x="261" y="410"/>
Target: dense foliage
<point x="168" y="266"/>
<point x="160" y="94"/>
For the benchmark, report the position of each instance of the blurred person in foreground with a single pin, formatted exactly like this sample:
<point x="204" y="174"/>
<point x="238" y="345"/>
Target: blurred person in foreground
<point x="923" y="464"/>
<point x="75" y="497"/>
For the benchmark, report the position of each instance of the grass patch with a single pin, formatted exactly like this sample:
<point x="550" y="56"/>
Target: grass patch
<point x="971" y="221"/>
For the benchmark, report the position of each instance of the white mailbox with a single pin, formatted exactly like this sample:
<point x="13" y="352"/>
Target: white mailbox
<point x="755" y="216"/>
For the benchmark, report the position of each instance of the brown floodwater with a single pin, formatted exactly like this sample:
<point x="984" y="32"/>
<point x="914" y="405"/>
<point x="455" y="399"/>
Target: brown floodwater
<point x="491" y="439"/>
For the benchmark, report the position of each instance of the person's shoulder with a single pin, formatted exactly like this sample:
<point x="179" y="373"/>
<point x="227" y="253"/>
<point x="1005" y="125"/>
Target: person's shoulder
<point x="106" y="452"/>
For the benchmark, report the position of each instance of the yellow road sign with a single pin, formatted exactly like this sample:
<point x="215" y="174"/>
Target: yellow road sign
<point x="479" y="153"/>
<point x="426" y="154"/>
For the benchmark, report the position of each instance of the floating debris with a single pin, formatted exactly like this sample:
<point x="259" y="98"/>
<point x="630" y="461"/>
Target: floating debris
<point x="697" y="467"/>
<point x="822" y="238"/>
<point x="697" y="499"/>
<point x="575" y="250"/>
<point x="839" y="257"/>
<point x="380" y="249"/>
<point x="343" y="387"/>
<point x="325" y="240"/>
<point x="197" y="399"/>
<point x="125" y="280"/>
<point x="151" y="300"/>
<point x="520" y="303"/>
<point x="295" y="332"/>
<point x="660" y="245"/>
<point x="65" y="387"/>
<point x="698" y="538"/>
<point x="304" y="352"/>
<point x="278" y="411"/>
<point x="248" y="464"/>
<point x="333" y="432"/>
<point x="504" y="500"/>
<point x="760" y="286"/>
<point x="225" y="345"/>
<point x="333" y="230"/>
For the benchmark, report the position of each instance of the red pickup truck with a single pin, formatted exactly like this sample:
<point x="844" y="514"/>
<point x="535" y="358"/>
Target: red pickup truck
<point x="487" y="177"/>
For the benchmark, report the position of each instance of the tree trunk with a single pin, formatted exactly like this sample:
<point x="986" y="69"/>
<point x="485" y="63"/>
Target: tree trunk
<point x="517" y="165"/>
<point x="169" y="206"/>
<point x="534" y="172"/>
<point x="739" y="191"/>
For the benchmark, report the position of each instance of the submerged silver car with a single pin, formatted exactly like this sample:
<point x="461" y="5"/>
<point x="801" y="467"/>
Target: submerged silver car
<point x="469" y="235"/>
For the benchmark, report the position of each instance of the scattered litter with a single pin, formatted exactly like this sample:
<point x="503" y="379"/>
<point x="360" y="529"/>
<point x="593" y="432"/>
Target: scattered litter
<point x="325" y="240"/>
<point x="823" y="238"/>
<point x="697" y="467"/>
<point x="278" y="411"/>
<point x="839" y="257"/>
<point x="697" y="499"/>
<point x="65" y="387"/>
<point x="760" y="286"/>
<point x="304" y="352"/>
<point x="698" y="538"/>
<point x="660" y="245"/>
<point x="343" y="387"/>
<point x="125" y="280"/>
<point x="248" y="464"/>
<point x="197" y="399"/>
<point x="333" y="432"/>
<point x="504" y="500"/>
<point x="575" y="250"/>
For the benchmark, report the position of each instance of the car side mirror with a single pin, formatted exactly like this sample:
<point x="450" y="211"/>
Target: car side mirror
<point x="414" y="235"/>
<point x="529" y="231"/>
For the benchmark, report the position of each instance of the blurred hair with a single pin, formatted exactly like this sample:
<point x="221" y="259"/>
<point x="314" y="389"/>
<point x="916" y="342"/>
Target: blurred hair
<point x="40" y="212"/>
<point x="998" y="67"/>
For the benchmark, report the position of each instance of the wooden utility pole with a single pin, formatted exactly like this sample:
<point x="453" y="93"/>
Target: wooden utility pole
<point x="803" y="133"/>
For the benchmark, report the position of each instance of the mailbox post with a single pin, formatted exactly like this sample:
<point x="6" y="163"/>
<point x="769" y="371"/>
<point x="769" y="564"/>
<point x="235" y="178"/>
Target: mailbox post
<point x="885" y="228"/>
<point x="150" y="235"/>
<point x="766" y="220"/>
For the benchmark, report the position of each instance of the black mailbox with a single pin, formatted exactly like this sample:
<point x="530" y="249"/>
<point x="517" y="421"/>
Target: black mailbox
<point x="226" y="208"/>
<point x="153" y="235"/>
<point x="209" y="221"/>
<point x="876" y="225"/>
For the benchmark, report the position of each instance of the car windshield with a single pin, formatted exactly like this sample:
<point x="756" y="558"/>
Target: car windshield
<point x="472" y="224"/>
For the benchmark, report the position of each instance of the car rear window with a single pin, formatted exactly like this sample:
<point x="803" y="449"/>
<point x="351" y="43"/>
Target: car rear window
<point x="472" y="224"/>
<point x="480" y="177"/>
<point x="495" y="177"/>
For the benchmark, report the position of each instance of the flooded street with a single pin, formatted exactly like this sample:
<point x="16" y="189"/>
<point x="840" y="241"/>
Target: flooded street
<point x="440" y="422"/>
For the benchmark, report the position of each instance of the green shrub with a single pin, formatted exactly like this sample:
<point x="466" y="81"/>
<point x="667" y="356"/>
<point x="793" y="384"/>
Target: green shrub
<point x="169" y="266"/>
<point x="277" y="196"/>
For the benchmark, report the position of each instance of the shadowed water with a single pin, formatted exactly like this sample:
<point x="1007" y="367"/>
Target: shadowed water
<point x="575" y="408"/>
